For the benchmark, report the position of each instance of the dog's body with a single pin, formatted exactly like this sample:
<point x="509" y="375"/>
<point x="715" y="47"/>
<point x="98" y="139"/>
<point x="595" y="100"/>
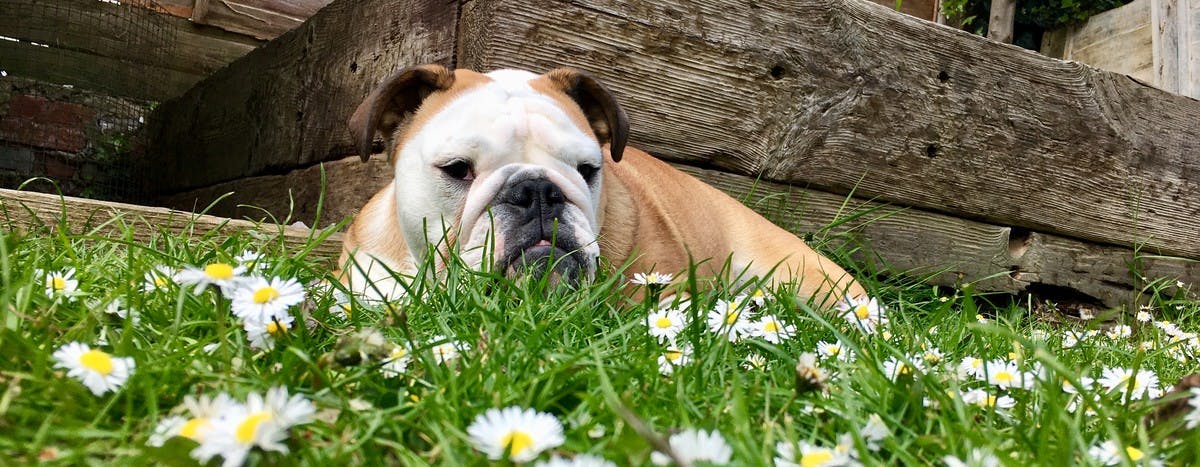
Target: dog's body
<point x="515" y="171"/>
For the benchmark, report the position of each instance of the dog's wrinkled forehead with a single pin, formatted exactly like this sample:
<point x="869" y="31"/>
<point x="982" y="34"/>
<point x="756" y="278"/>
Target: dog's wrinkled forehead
<point x="506" y="115"/>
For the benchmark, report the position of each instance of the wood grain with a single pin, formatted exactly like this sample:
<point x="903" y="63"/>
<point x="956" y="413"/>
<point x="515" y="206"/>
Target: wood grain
<point x="844" y="94"/>
<point x="124" y="33"/>
<point x="285" y="105"/>
<point x="93" y="72"/>
<point x="27" y="210"/>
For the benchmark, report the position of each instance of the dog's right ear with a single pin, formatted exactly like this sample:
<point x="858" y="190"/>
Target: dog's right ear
<point x="400" y="95"/>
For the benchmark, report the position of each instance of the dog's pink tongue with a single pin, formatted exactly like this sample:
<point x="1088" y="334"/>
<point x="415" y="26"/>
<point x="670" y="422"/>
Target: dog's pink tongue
<point x="542" y="243"/>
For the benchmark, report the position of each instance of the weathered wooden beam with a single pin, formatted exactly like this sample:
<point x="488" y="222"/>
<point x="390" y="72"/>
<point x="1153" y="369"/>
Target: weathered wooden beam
<point x="124" y="44"/>
<point x="285" y="105"/>
<point x="28" y="210"/>
<point x="844" y="94"/>
<point x="947" y="250"/>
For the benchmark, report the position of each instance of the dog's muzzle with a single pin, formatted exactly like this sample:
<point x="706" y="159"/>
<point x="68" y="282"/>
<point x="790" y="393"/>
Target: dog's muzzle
<point x="536" y="241"/>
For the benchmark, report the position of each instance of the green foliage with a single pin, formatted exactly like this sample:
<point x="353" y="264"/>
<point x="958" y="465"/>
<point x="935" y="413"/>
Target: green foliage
<point x="1044" y="14"/>
<point x="582" y="355"/>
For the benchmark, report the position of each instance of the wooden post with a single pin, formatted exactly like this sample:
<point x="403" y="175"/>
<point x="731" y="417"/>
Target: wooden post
<point x="1000" y="21"/>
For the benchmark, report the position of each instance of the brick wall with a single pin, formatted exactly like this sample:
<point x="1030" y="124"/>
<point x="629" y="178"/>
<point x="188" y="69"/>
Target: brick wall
<point x="86" y="143"/>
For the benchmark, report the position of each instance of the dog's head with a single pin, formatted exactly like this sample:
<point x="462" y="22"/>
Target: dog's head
<point x="504" y="168"/>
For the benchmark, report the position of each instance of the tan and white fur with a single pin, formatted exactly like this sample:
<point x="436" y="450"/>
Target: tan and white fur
<point x="515" y="171"/>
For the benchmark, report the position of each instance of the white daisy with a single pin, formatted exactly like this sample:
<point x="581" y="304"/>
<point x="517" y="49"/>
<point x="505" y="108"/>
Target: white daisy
<point x="771" y="329"/>
<point x="666" y="324"/>
<point x="1005" y="374"/>
<point x="806" y="454"/>
<point x="652" y="278"/>
<point x="1070" y="339"/>
<point x="117" y="307"/>
<point x="674" y="356"/>
<point x="259" y="299"/>
<point x="343" y="305"/>
<point x="874" y="432"/>
<point x="834" y="350"/>
<point x="59" y="284"/>
<point x="1142" y="383"/>
<point x="731" y="319"/>
<point x="894" y="368"/>
<point x="98" y="370"/>
<point x="692" y="446"/>
<point x="157" y="278"/>
<point x="396" y="363"/>
<point x="251" y="260"/>
<point x="223" y="275"/>
<point x="580" y="460"/>
<point x="521" y="434"/>
<point x="201" y="411"/>
<point x="1111" y="453"/>
<point x="262" y="334"/>
<point x="758" y="297"/>
<point x="977" y="458"/>
<point x="863" y="312"/>
<point x="932" y="356"/>
<point x="448" y="350"/>
<point x="807" y="371"/>
<point x="755" y="362"/>
<point x="1144" y="316"/>
<point x="261" y="422"/>
<point x="984" y="399"/>
<point x="1121" y="331"/>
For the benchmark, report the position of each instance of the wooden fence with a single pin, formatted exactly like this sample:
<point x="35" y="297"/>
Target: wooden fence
<point x="992" y="164"/>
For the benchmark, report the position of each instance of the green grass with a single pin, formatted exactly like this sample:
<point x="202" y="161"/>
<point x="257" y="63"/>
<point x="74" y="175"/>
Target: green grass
<point x="584" y="356"/>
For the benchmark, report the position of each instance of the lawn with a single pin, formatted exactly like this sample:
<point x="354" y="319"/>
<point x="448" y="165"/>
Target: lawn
<point x="272" y="367"/>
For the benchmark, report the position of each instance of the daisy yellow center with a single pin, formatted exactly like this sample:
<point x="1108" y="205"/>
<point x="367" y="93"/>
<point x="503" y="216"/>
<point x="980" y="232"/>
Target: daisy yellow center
<point x="160" y="281"/>
<point x="758" y="293"/>
<point x="732" y="317"/>
<point x="862" y="312"/>
<point x="991" y="401"/>
<point x="97" y="361"/>
<point x="771" y="326"/>
<point x="673" y="355"/>
<point x="1135" y="454"/>
<point x="265" y="295"/>
<point x="246" y="430"/>
<point x="976" y="363"/>
<point x="816" y="458"/>
<point x="517" y="441"/>
<point x="1004" y="377"/>
<point x="219" y="271"/>
<point x="663" y="323"/>
<point x="652" y="277"/>
<point x="58" y="283"/>
<point x="903" y="369"/>
<point x="191" y="429"/>
<point x="275" y="327"/>
<point x="834" y="350"/>
<point x="398" y="352"/>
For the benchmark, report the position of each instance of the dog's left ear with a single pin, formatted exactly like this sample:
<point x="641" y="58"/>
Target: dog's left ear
<point x="606" y="118"/>
<point x="389" y="104"/>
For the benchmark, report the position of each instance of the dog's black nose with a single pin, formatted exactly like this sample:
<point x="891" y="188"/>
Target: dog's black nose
<point x="535" y="194"/>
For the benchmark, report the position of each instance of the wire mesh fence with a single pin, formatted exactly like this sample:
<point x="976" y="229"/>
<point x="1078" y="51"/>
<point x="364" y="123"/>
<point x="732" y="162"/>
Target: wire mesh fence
<point x="76" y="84"/>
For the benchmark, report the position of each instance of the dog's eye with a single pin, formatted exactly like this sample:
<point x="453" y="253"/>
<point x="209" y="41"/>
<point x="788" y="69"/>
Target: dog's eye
<point x="588" y="172"/>
<point x="459" y="170"/>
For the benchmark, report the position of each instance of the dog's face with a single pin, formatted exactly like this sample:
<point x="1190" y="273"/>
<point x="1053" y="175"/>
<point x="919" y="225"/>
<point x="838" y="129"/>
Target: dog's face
<point x="504" y="168"/>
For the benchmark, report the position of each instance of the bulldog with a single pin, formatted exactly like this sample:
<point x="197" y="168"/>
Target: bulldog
<point x="515" y="172"/>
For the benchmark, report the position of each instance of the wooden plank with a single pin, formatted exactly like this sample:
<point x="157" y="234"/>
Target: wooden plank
<point x="1118" y="40"/>
<point x="924" y="9"/>
<point x="349" y="183"/>
<point x="948" y="250"/>
<point x="255" y="18"/>
<point x="112" y="76"/>
<point x="953" y="251"/>
<point x="285" y="105"/>
<point x="123" y="33"/>
<point x="1000" y="22"/>
<point x="28" y="210"/>
<point x="844" y="94"/>
<point x="1165" y="31"/>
